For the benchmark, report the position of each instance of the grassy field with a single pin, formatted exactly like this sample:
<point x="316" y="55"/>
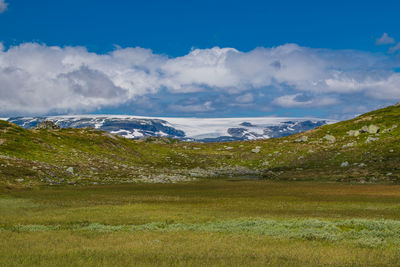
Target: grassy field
<point x="208" y="222"/>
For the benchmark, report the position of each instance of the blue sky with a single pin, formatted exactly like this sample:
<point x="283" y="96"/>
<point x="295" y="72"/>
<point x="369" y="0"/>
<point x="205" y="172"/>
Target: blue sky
<point x="198" y="58"/>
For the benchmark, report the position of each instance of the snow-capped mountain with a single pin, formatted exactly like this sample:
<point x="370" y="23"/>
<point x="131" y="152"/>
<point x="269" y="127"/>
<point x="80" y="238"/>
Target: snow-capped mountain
<point x="190" y="129"/>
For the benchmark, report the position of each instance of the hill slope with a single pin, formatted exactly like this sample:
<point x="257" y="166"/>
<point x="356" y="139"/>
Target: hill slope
<point x="364" y="149"/>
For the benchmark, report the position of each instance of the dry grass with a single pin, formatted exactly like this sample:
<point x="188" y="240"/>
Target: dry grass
<point x="213" y="222"/>
<point x="183" y="249"/>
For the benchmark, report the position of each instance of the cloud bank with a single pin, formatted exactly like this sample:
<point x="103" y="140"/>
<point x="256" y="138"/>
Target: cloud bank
<point x="40" y="79"/>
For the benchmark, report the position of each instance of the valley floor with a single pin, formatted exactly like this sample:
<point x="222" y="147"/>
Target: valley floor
<point x="229" y="222"/>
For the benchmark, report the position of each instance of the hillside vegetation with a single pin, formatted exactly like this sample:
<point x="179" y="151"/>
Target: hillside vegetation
<point x="364" y="150"/>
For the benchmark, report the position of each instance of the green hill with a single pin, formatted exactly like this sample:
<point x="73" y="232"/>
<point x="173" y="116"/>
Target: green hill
<point x="365" y="149"/>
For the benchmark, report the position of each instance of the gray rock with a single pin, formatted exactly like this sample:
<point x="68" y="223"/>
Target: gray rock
<point x="372" y="129"/>
<point x="20" y="180"/>
<point x="256" y="150"/>
<point x="353" y="133"/>
<point x="364" y="129"/>
<point x="394" y="126"/>
<point x="344" y="164"/>
<point x="302" y="139"/>
<point x="70" y="170"/>
<point x="349" y="145"/>
<point x="330" y="138"/>
<point x="371" y="139"/>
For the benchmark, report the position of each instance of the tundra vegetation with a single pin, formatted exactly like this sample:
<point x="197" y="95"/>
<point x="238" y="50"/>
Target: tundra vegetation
<point x="81" y="197"/>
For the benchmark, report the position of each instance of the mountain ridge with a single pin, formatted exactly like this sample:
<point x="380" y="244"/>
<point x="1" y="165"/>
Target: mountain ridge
<point x="187" y="129"/>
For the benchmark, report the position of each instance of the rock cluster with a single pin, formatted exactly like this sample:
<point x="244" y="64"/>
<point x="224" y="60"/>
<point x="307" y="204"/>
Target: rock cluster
<point x="49" y="125"/>
<point x="371" y="139"/>
<point x="371" y="129"/>
<point x="390" y="129"/>
<point x="302" y="139"/>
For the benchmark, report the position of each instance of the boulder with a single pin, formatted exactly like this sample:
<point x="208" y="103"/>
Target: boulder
<point x="344" y="164"/>
<point x="256" y="150"/>
<point x="70" y="170"/>
<point x="371" y="139"/>
<point x="330" y="138"/>
<point x="302" y="139"/>
<point x="353" y="133"/>
<point x="371" y="129"/>
<point x="349" y="145"/>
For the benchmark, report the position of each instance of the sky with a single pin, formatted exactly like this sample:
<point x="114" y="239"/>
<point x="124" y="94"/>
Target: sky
<point x="326" y="59"/>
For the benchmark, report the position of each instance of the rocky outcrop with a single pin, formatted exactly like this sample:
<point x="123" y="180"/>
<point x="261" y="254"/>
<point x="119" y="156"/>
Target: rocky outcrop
<point x="371" y="129"/>
<point x="48" y="125"/>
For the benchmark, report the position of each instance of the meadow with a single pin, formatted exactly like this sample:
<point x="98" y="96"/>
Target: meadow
<point x="213" y="222"/>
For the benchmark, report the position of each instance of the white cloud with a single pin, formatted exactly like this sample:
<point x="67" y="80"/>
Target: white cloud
<point x="395" y="48"/>
<point x="293" y="101"/>
<point x="246" y="98"/>
<point x="385" y="39"/>
<point x="3" y="6"/>
<point x="39" y="79"/>
<point x="199" y="108"/>
<point x="290" y="101"/>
